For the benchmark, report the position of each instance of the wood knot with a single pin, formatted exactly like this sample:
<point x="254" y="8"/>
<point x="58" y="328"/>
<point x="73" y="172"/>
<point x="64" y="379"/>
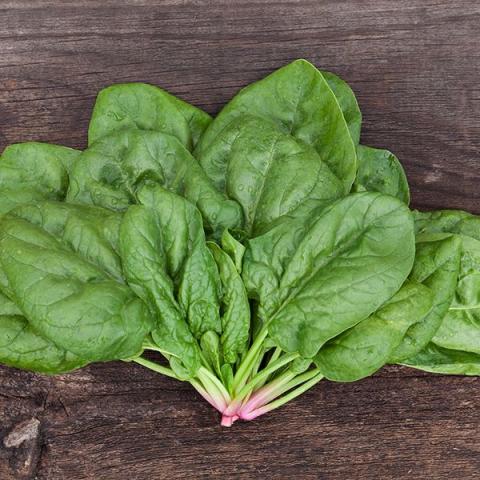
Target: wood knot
<point x="22" y="432"/>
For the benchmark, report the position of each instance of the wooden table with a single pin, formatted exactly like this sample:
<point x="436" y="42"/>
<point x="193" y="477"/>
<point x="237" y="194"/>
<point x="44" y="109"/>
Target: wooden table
<point x="415" y="67"/>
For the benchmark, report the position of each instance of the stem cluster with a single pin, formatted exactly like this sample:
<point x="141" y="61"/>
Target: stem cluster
<point x="264" y="381"/>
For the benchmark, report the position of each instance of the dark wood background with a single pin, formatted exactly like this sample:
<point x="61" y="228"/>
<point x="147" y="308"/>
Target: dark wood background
<point x="415" y="67"/>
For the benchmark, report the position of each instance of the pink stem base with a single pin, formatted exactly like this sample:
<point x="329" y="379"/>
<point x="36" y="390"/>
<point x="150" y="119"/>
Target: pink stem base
<point x="228" y="421"/>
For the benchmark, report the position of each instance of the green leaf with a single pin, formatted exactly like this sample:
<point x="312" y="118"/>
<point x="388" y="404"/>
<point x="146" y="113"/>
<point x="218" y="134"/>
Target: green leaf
<point x="167" y="263"/>
<point x="459" y="329"/>
<point x="233" y="248"/>
<point x="299" y="101"/>
<point x="447" y="361"/>
<point x="22" y="347"/>
<point x="268" y="172"/>
<point x="362" y="350"/>
<point x="348" y="104"/>
<point x="146" y="107"/>
<point x="448" y="221"/>
<point x="380" y="171"/>
<point x="66" y="297"/>
<point x="91" y="231"/>
<point x="236" y="308"/>
<point x="437" y="263"/>
<point x="227" y="376"/>
<point x="316" y="280"/>
<point x="33" y="171"/>
<point x="210" y="345"/>
<point x="112" y="171"/>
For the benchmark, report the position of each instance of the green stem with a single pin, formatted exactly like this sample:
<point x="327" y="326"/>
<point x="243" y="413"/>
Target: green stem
<point x="276" y="353"/>
<point x="211" y="382"/>
<point x="248" y="362"/>
<point x="258" y="362"/>
<point x="275" y="356"/>
<point x="298" y="380"/>
<point x="156" y="367"/>
<point x="283" y="400"/>
<point x="264" y="374"/>
<point x="154" y="349"/>
<point x="214" y="402"/>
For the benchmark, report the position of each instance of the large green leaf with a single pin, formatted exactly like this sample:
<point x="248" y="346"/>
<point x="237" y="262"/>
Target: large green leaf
<point x="348" y="104"/>
<point x="233" y="248"/>
<point x="112" y="171"/>
<point x="167" y="263"/>
<point x="437" y="263"/>
<point x="298" y="99"/>
<point x="448" y="221"/>
<point x="380" y="171"/>
<point x="90" y="231"/>
<point x="236" y="308"/>
<point x="447" y="361"/>
<point x="146" y="107"/>
<point x="362" y="350"/>
<point x="22" y="347"/>
<point x="460" y="328"/>
<point x="33" y="171"/>
<point x="268" y="172"/>
<point x="317" y="278"/>
<point x="54" y="265"/>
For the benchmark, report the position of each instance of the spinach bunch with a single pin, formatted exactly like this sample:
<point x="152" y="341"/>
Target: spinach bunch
<point x="256" y="253"/>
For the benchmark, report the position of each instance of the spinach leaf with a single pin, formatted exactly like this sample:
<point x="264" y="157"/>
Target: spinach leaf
<point x="236" y="309"/>
<point x="22" y="347"/>
<point x="90" y="231"/>
<point x="299" y="101"/>
<point x="444" y="360"/>
<point x="380" y="171"/>
<point x="459" y="329"/>
<point x="448" y="221"/>
<point x="146" y="107"/>
<point x="362" y="350"/>
<point x="112" y="171"/>
<point x="233" y="248"/>
<point x="210" y="345"/>
<point x="268" y="172"/>
<point x="348" y="104"/>
<point x="167" y="263"/>
<point x="316" y="280"/>
<point x="62" y="289"/>
<point x="437" y="263"/>
<point x="34" y="171"/>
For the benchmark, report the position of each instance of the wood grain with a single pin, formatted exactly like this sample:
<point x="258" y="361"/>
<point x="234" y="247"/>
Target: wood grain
<point x="415" y="67"/>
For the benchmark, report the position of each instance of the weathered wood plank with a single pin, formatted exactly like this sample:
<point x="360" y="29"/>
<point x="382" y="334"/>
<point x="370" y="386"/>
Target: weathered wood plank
<point x="414" y="66"/>
<point x="114" y="421"/>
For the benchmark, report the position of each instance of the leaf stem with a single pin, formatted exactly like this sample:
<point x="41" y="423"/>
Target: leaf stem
<point x="265" y="373"/>
<point x="154" y="348"/>
<point x="213" y="384"/>
<point x="282" y="400"/>
<point x="198" y="387"/>
<point x="248" y="362"/>
<point x="243" y="396"/>
<point x="298" y="380"/>
<point x="267" y="393"/>
<point x="276" y="353"/>
<point x="156" y="367"/>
